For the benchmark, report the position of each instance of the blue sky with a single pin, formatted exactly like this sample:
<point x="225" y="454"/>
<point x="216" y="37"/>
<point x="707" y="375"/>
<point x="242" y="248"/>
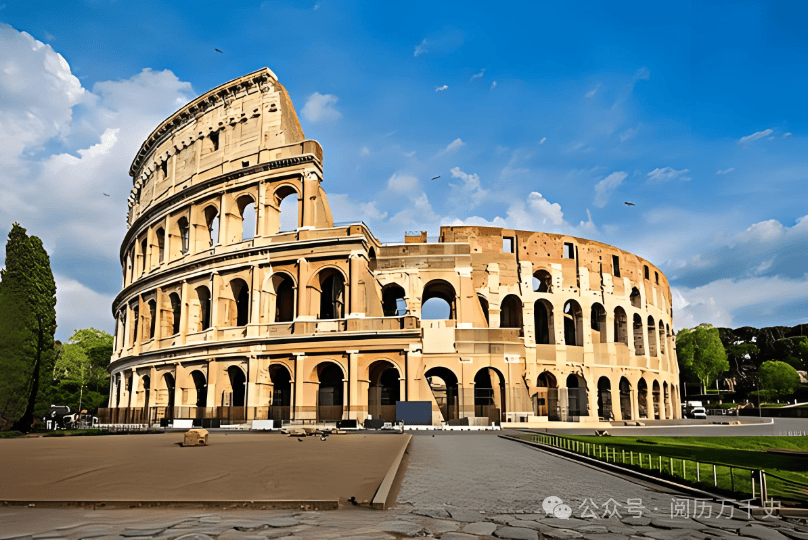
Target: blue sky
<point x="539" y="117"/>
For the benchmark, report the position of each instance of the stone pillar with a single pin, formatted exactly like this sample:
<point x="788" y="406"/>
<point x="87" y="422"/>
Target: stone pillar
<point x="297" y="412"/>
<point x="253" y="398"/>
<point x="353" y="409"/>
<point x="212" y="380"/>
<point x="179" y="376"/>
<point x="302" y="289"/>
<point x="311" y="184"/>
<point x="635" y="404"/>
<point x="184" y="313"/>
<point x="617" y="406"/>
<point x="255" y="302"/>
<point x="356" y="306"/>
<point x="215" y="286"/>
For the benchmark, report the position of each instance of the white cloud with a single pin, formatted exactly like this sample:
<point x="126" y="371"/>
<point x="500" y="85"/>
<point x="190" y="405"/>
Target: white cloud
<point x="478" y="75"/>
<point x="469" y="194"/>
<point x="409" y="154"/>
<point x="787" y="134"/>
<point x="441" y="88"/>
<point x="403" y="183"/>
<point x="604" y="188"/>
<point x="344" y="209"/>
<point x="542" y="140"/>
<point x="493" y="85"/>
<point x="421" y="48"/>
<point x="364" y="152"/>
<point x="320" y="108"/>
<point x="78" y="306"/>
<point x="642" y="74"/>
<point x="764" y="231"/>
<point x="454" y="146"/>
<point x="630" y="133"/>
<point x="666" y="174"/>
<point x="594" y="91"/>
<point x="755" y="136"/>
<point x="725" y="171"/>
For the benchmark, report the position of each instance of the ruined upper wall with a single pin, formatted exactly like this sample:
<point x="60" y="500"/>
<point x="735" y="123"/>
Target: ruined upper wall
<point x="544" y="250"/>
<point x="241" y="123"/>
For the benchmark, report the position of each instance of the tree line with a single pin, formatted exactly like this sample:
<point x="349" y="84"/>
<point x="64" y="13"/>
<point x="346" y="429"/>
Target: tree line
<point x="36" y="371"/>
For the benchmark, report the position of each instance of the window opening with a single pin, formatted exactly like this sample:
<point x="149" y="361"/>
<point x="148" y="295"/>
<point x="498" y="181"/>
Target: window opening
<point x="615" y="266"/>
<point x="161" y="244"/>
<point x="507" y="244"/>
<point x="176" y="311"/>
<point x="143" y="247"/>
<point x="569" y="250"/>
<point x="214" y="140"/>
<point x="647" y="276"/>
<point x="152" y="317"/>
<point x="184" y="235"/>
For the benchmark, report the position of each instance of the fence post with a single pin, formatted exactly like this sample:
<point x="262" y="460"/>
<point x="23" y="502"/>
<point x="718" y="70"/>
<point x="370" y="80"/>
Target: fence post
<point x="670" y="466"/>
<point x="624" y="456"/>
<point x="764" y="488"/>
<point x="698" y="472"/>
<point x="715" y="477"/>
<point x="660" y="465"/>
<point x="731" y="480"/>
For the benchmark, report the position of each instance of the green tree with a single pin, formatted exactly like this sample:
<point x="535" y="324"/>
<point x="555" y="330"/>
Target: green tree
<point x="29" y="292"/>
<point x="701" y="354"/>
<point x="778" y="378"/>
<point x="80" y="369"/>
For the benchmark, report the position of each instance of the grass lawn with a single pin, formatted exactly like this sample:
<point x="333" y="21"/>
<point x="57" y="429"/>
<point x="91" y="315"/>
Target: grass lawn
<point x="687" y="452"/>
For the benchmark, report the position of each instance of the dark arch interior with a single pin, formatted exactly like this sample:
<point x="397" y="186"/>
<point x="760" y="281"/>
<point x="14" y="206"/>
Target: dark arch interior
<point x="237" y="385"/>
<point x="176" y="312"/>
<point x="511" y="312"/>
<point x="281" y="386"/>
<point x="332" y="295"/>
<point x="285" y="300"/>
<point x="393" y="302"/>
<point x="201" y="388"/>
<point x="241" y="293"/>
<point x="168" y="379"/>
<point x="443" y="383"/>
<point x="330" y="392"/>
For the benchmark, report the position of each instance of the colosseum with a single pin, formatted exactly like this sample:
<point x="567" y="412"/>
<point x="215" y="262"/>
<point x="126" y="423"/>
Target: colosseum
<point x="242" y="299"/>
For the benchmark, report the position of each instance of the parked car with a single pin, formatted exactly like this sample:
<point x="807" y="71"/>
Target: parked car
<point x="698" y="412"/>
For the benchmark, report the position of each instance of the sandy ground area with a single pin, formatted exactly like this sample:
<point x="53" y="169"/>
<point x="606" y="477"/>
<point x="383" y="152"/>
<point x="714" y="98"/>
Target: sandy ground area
<point x="233" y="467"/>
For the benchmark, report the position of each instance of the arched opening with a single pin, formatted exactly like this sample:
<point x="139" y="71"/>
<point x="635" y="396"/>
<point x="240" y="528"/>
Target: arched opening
<point x="639" y="348"/>
<point x="652" y="334"/>
<point x="241" y="292"/>
<point x="655" y="392"/>
<point x="489" y="394"/>
<point x="438" y="300"/>
<point x="202" y="321"/>
<point x="635" y="298"/>
<point x="666" y="400"/>
<point x="484" y="307"/>
<point x="146" y="381"/>
<point x="281" y="398"/>
<point x="662" y="344"/>
<point x="393" y="300"/>
<point x="161" y="244"/>
<point x="573" y="324"/>
<point x="176" y="312"/>
<point x="546" y="398"/>
<point x="284" y="298"/>
<point x="542" y="281"/>
<point x="200" y="388"/>
<point x="129" y="387"/>
<point x="212" y="223"/>
<point x="143" y="253"/>
<point x="329" y="394"/>
<point x="135" y="322"/>
<point x="246" y="208"/>
<point x="642" y="398"/>
<point x="287" y="202"/>
<point x="332" y="294"/>
<point x="238" y="388"/>
<point x="372" y="259"/>
<point x="620" y="326"/>
<point x="511" y="313"/>
<point x="577" y="396"/>
<point x="625" y="398"/>
<point x="167" y="392"/>
<point x="543" y="322"/>
<point x="383" y="390"/>
<point x="443" y="383"/>
<point x="152" y="317"/>
<point x="605" y="399"/>
<point x="597" y="320"/>
<point x="185" y="235"/>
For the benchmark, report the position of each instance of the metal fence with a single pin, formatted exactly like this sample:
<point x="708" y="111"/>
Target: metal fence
<point x="743" y="482"/>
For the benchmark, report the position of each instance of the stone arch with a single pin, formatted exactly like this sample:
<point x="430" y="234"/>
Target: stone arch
<point x="605" y="399"/>
<point x="281" y="379"/>
<point x="666" y="400"/>
<point x="620" y="326"/>
<point x="145" y="383"/>
<point x="394" y="300"/>
<point x="200" y="309"/>
<point x="484" y="306"/>
<point x="198" y="392"/>
<point x="330" y="376"/>
<point x="160" y="235"/>
<point x="573" y="324"/>
<point x="328" y="294"/>
<point x="542" y="281"/>
<point x="446" y="299"/>
<point x="511" y="313"/>
<point x="547" y="392"/>
<point x="238" y="387"/>
<point x="639" y="346"/>
<point x="247" y="217"/>
<point x="642" y="398"/>
<point x="176" y="312"/>
<point x="236" y="306"/>
<point x="656" y="396"/>
<point x="211" y="214"/>
<point x="652" y="337"/>
<point x="444" y="385"/>
<point x="165" y="392"/>
<point x="184" y="229"/>
<point x="384" y="389"/>
<point x="662" y="338"/>
<point x="288" y="207"/>
<point x="577" y="395"/>
<point x="489" y="394"/>
<point x="597" y="322"/>
<point x="544" y="323"/>
<point x="624" y="388"/>
<point x="635" y="298"/>
<point x="279" y="301"/>
<point x="152" y="305"/>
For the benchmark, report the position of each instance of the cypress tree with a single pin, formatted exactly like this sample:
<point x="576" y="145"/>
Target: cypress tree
<point x="28" y="311"/>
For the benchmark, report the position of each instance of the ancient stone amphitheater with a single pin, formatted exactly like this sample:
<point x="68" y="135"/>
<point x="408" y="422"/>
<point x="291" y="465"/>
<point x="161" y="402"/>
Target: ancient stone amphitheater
<point x="243" y="300"/>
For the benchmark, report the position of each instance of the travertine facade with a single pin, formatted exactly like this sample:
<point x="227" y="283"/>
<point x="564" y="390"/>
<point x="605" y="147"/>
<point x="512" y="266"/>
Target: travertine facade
<point x="224" y="315"/>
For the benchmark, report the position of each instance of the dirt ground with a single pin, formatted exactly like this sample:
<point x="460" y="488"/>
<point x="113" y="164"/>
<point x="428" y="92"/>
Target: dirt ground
<point x="233" y="467"/>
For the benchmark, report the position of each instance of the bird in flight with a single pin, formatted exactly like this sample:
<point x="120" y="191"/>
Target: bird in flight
<point x="218" y="51"/>
<point x="629" y="203"/>
<point x="107" y="194"/>
<point x="435" y="178"/>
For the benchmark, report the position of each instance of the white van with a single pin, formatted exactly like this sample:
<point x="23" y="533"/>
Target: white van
<point x="698" y="412"/>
